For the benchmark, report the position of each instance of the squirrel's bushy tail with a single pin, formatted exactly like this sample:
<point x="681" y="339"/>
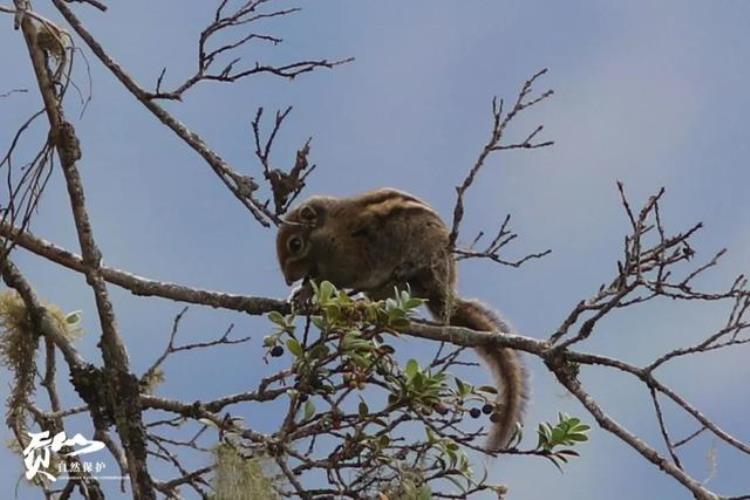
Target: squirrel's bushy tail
<point x="506" y="367"/>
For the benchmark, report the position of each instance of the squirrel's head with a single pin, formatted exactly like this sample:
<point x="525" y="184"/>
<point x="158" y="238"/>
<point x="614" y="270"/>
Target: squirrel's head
<point x="294" y="245"/>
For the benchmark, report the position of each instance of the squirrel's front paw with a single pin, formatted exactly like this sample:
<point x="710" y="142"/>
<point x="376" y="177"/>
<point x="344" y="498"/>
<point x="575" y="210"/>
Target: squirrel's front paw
<point x="301" y="298"/>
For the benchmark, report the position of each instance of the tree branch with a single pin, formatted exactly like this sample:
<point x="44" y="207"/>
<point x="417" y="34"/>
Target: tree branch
<point x="123" y="387"/>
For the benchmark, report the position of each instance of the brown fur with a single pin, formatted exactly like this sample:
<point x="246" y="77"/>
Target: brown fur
<point x="386" y="238"/>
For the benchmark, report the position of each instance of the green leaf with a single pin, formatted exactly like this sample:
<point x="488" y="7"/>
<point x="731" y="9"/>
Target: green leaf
<point x="309" y="409"/>
<point x="326" y="292"/>
<point x="424" y="493"/>
<point x="399" y="322"/>
<point x="277" y="318"/>
<point x="557" y="435"/>
<point x="413" y="303"/>
<point x="207" y="422"/>
<point x="578" y="437"/>
<point x="430" y="435"/>
<point x="460" y="386"/>
<point x="387" y="349"/>
<point x="455" y="482"/>
<point x="332" y="312"/>
<point x="319" y="322"/>
<point x="568" y="431"/>
<point x="353" y="341"/>
<point x="487" y="388"/>
<point x="319" y="351"/>
<point x="543" y="437"/>
<point x="294" y="347"/>
<point x="384" y="441"/>
<point x="452" y="456"/>
<point x="73" y="318"/>
<point x="363" y="409"/>
<point x="380" y="422"/>
<point x="412" y="368"/>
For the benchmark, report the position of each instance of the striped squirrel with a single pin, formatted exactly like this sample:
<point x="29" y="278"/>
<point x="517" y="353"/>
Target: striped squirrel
<point x="387" y="238"/>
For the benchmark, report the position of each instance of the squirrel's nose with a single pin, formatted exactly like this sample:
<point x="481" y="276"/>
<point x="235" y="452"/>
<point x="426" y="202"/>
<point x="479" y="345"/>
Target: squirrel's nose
<point x="289" y="275"/>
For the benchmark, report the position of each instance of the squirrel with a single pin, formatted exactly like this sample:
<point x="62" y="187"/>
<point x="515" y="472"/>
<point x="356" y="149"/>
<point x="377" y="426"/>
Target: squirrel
<point x="387" y="238"/>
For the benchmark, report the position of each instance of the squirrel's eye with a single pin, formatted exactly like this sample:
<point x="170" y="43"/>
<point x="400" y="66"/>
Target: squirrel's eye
<point x="294" y="244"/>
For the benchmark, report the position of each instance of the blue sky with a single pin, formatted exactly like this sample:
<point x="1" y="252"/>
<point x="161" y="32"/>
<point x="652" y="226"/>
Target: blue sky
<point x="649" y="93"/>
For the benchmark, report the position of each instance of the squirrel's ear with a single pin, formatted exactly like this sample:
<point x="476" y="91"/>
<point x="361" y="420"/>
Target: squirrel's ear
<point x="308" y="213"/>
<point x="311" y="213"/>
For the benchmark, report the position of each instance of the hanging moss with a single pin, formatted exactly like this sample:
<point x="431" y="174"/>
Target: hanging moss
<point x="19" y="342"/>
<point x="239" y="478"/>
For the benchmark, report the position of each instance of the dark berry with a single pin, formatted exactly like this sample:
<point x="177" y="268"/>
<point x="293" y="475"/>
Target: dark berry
<point x="495" y="418"/>
<point x="277" y="351"/>
<point x="441" y="409"/>
<point x="487" y="409"/>
<point x="475" y="412"/>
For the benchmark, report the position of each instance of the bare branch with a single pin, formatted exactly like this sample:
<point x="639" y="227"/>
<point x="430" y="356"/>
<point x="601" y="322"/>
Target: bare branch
<point x="241" y="186"/>
<point x="94" y="3"/>
<point x="123" y="387"/>
<point x="209" y="67"/>
<point x="663" y="428"/>
<point x="143" y="286"/>
<point x="492" y="251"/>
<point x="13" y="91"/>
<point x="561" y="370"/>
<point x="499" y="124"/>
<point x="285" y="186"/>
<point x="23" y="194"/>
<point x="171" y="348"/>
<point x="646" y="267"/>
